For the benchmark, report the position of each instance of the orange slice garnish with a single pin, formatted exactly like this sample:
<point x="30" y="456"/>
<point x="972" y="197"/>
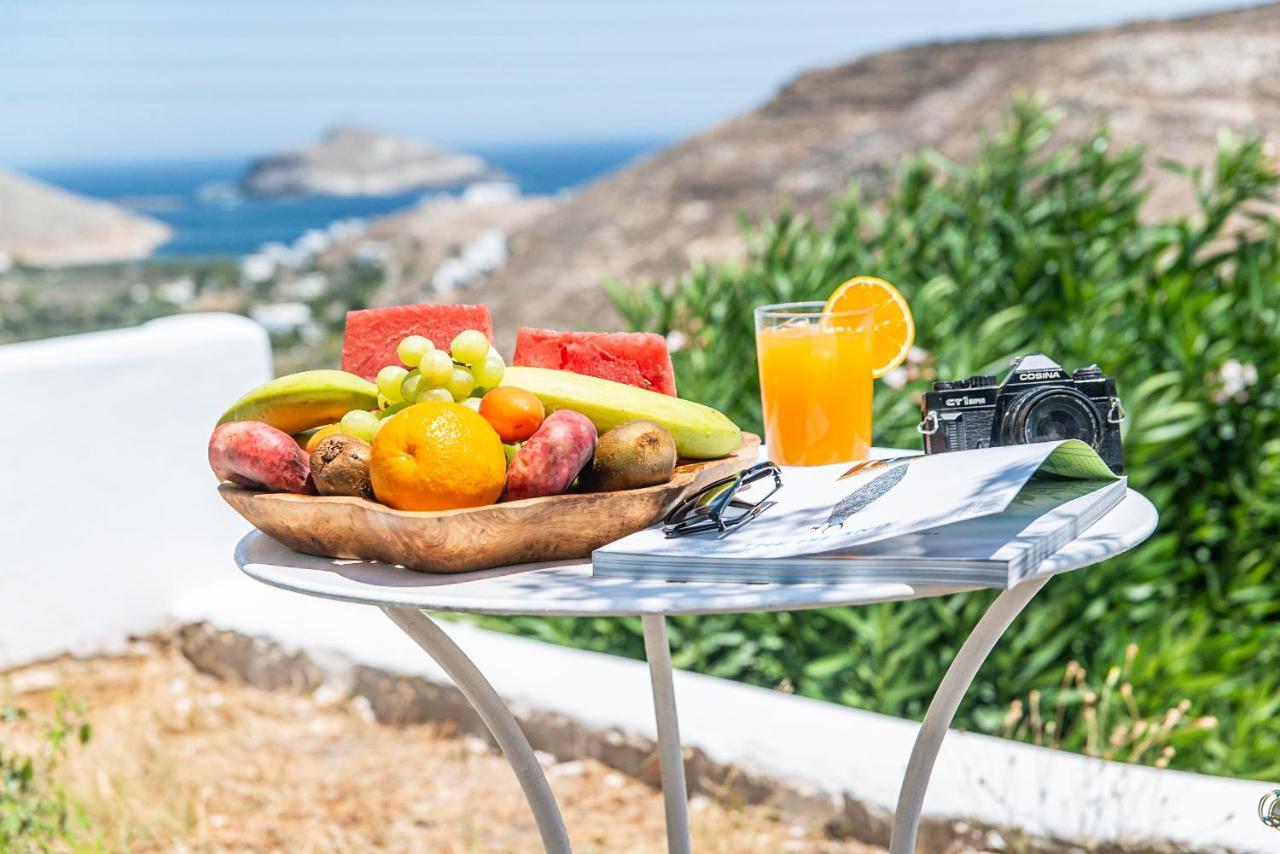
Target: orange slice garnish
<point x="894" y="330"/>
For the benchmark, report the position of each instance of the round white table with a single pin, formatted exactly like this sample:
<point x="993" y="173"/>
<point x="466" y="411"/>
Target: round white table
<point x="569" y="589"/>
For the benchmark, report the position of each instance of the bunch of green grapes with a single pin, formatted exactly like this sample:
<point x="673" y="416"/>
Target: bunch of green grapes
<point x="462" y="374"/>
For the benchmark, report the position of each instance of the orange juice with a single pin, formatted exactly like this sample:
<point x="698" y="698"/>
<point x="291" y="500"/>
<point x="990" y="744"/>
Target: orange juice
<point x="815" y="386"/>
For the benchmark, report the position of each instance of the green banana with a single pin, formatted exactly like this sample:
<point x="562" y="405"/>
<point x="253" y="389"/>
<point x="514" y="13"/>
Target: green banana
<point x="298" y="402"/>
<point x="700" y="432"/>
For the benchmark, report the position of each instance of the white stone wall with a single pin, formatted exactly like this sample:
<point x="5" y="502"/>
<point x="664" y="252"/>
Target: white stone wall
<point x="107" y="506"/>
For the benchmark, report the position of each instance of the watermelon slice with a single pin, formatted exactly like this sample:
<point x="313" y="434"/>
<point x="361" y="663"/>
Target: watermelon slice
<point x="636" y="358"/>
<point x="373" y="334"/>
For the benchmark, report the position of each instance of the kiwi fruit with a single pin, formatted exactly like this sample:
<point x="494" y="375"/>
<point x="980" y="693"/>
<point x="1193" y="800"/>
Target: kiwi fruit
<point x="633" y="454"/>
<point x="340" y="466"/>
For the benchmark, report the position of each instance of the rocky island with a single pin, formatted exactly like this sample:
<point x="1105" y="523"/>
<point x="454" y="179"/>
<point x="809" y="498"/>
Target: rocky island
<point x="356" y="161"/>
<point x="43" y="226"/>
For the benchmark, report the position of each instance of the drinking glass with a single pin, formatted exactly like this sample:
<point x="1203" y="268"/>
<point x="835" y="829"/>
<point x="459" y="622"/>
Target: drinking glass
<point x="815" y="382"/>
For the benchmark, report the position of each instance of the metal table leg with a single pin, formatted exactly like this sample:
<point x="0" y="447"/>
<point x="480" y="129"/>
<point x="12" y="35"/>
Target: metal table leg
<point x="657" y="650"/>
<point x="496" y="717"/>
<point x="942" y="709"/>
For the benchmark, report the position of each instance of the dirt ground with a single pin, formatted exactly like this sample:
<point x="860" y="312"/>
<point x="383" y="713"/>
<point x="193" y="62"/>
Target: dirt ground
<point x="182" y="762"/>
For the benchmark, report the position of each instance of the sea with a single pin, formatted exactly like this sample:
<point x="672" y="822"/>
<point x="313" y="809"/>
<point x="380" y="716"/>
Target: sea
<point x="197" y="199"/>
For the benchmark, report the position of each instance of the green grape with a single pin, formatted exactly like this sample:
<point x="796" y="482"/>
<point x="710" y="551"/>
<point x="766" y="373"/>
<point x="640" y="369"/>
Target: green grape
<point x="393" y="409"/>
<point x="460" y="384"/>
<point x="469" y="347"/>
<point x="412" y="386"/>
<point x="412" y="349"/>
<point x="489" y="372"/>
<point x="388" y="382"/>
<point x="436" y="368"/>
<point x="435" y="394"/>
<point x="359" y="423"/>
<point x="383" y="402"/>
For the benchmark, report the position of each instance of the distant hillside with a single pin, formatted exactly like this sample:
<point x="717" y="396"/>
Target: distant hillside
<point x="44" y="226"/>
<point x="1169" y="84"/>
<point x="356" y="161"/>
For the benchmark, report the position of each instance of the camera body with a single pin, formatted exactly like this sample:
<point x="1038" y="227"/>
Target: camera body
<point x="1037" y="402"/>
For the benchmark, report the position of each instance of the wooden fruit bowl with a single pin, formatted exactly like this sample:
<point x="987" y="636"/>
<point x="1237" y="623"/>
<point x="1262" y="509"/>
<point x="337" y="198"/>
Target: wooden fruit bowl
<point x="557" y="527"/>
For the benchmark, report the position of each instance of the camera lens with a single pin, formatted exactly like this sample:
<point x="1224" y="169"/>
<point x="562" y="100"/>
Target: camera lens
<point x="1050" y="414"/>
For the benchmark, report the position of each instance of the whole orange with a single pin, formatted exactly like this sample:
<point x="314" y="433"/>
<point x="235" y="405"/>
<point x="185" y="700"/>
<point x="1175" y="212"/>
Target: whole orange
<point x="437" y="456"/>
<point x="515" y="413"/>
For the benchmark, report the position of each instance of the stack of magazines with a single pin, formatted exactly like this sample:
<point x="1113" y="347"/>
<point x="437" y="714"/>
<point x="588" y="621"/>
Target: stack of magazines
<point x="985" y="517"/>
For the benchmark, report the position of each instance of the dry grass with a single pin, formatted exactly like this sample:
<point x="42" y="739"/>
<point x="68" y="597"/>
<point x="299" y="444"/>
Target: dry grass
<point x="180" y="761"/>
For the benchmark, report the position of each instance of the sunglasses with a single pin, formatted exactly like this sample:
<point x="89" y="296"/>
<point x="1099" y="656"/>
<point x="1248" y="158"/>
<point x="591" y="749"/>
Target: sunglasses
<point x="720" y="506"/>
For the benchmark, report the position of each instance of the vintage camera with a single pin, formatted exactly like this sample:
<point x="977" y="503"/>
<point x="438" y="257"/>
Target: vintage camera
<point x="1037" y="402"/>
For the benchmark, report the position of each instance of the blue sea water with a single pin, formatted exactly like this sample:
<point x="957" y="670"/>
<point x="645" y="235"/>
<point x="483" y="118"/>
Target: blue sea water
<point x="193" y="197"/>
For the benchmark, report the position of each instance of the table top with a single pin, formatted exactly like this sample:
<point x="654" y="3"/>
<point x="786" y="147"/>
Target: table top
<point x="567" y="588"/>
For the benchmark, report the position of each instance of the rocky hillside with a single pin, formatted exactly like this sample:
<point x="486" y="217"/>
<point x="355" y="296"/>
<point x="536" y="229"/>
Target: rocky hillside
<point x="1169" y="84"/>
<point x="356" y="161"/>
<point x="426" y="237"/>
<point x="44" y="226"/>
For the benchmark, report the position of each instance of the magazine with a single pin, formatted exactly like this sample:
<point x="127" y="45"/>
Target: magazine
<point x="984" y="517"/>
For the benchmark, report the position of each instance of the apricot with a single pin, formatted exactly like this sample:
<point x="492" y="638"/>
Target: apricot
<point x="514" y="413"/>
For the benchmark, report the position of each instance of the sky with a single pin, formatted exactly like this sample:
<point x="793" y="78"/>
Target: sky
<point x="133" y="80"/>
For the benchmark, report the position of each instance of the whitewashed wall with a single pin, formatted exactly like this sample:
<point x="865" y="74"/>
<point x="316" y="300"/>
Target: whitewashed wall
<point x="107" y="506"/>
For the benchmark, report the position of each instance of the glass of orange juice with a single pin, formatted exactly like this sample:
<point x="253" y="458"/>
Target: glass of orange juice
<point x="815" y="382"/>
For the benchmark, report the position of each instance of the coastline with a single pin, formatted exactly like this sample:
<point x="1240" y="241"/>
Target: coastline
<point x="210" y="220"/>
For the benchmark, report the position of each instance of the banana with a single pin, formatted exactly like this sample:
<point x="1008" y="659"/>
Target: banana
<point x="298" y="402"/>
<point x="700" y="432"/>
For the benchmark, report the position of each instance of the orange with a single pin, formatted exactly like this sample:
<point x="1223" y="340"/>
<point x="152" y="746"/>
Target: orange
<point x="513" y="412"/>
<point x="320" y="434"/>
<point x="894" y="330"/>
<point x="437" y="456"/>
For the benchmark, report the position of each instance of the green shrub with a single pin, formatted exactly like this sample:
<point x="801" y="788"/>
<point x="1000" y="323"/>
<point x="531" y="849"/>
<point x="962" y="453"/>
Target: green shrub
<point x="35" y="812"/>
<point x="1102" y="720"/>
<point x="1037" y="248"/>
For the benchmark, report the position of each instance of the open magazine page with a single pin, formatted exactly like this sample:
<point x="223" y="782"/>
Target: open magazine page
<point x="819" y="510"/>
<point x="996" y="537"/>
<point x="996" y="550"/>
<point x="1045" y="515"/>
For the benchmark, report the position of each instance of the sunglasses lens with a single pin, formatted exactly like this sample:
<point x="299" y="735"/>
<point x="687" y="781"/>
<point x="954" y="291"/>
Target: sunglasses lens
<point x="717" y="493"/>
<point x="735" y="514"/>
<point x="755" y="488"/>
